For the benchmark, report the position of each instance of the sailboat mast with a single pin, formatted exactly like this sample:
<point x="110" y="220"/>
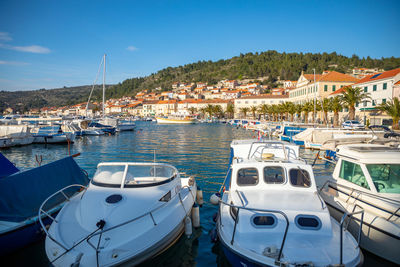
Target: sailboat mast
<point x="104" y="81"/>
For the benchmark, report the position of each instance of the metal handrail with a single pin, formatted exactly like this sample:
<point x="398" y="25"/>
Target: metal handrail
<point x="43" y="213"/>
<point x="266" y="145"/>
<point x="258" y="210"/>
<point x="360" y="192"/>
<point x="350" y="215"/>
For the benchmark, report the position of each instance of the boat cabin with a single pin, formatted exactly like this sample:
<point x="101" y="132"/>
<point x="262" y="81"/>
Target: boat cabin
<point x="369" y="168"/>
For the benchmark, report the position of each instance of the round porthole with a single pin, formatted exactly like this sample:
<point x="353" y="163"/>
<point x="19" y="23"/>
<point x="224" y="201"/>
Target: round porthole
<point x="113" y="199"/>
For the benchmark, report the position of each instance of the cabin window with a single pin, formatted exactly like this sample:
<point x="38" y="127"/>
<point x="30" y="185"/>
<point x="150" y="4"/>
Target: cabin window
<point x="308" y="222"/>
<point x="386" y="177"/>
<point x="109" y="175"/>
<point x="264" y="220"/>
<point x="352" y="172"/>
<point x="274" y="175"/>
<point x="300" y="177"/>
<point x="247" y="176"/>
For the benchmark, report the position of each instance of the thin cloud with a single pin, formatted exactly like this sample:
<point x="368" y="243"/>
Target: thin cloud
<point x="30" y="49"/>
<point x="5" y="36"/>
<point x="131" y="48"/>
<point x="13" y="63"/>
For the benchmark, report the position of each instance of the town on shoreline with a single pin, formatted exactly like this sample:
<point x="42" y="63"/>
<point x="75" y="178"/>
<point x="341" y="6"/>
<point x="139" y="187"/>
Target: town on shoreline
<point x="292" y="100"/>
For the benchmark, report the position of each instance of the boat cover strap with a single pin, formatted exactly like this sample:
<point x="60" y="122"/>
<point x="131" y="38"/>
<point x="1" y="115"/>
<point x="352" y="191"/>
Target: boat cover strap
<point x="6" y="167"/>
<point x="21" y="194"/>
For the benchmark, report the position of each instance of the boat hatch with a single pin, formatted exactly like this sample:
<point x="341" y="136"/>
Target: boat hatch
<point x="133" y="175"/>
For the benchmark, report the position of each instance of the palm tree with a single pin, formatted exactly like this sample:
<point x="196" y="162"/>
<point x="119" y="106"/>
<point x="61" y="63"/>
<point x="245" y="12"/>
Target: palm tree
<point x="230" y="110"/>
<point x="202" y="111"/>
<point x="351" y="96"/>
<point x="209" y="109"/>
<point x="392" y="108"/>
<point x="316" y="109"/>
<point x="299" y="110"/>
<point x="275" y="110"/>
<point x="192" y="110"/>
<point x="326" y="106"/>
<point x="217" y="110"/>
<point x="263" y="109"/>
<point x="244" y="111"/>
<point x="253" y="110"/>
<point x="336" y="106"/>
<point x="307" y="108"/>
<point x="291" y="109"/>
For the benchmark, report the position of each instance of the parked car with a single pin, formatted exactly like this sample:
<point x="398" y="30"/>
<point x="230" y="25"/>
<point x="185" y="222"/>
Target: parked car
<point x="352" y="125"/>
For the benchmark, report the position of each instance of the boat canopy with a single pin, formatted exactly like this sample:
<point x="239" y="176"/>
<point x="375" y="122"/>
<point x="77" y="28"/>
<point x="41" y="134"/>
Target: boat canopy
<point x="21" y="194"/>
<point x="6" y="167"/>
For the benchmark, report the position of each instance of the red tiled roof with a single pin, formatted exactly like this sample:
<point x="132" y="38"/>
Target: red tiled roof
<point x="379" y="76"/>
<point x="334" y="76"/>
<point x="310" y="77"/>
<point x="340" y="91"/>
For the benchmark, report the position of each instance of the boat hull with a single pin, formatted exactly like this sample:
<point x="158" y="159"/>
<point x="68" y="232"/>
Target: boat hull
<point x="373" y="239"/>
<point x="175" y="121"/>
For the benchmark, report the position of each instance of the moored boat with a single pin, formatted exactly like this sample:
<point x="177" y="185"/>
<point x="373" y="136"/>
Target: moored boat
<point x="270" y="213"/>
<point x="367" y="177"/>
<point x="130" y="212"/>
<point x="22" y="192"/>
<point x="176" y="120"/>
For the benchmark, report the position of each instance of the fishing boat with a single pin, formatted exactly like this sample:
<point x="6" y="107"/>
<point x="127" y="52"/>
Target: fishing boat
<point x="367" y="178"/>
<point x="130" y="212"/>
<point x="19" y="135"/>
<point x="21" y="194"/>
<point x="175" y="120"/>
<point x="106" y="129"/>
<point x="270" y="213"/>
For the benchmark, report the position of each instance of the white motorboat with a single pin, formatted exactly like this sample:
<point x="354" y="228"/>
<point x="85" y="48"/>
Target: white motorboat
<point x="126" y="125"/>
<point x="367" y="177"/>
<point x="176" y="120"/>
<point x="271" y="214"/>
<point x="51" y="135"/>
<point x="19" y="135"/>
<point x="130" y="212"/>
<point x="5" y="142"/>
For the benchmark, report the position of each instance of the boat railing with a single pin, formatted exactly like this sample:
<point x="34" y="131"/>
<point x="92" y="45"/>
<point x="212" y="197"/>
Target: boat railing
<point x="149" y="213"/>
<point x="342" y="221"/>
<point x="266" y="145"/>
<point x="236" y="219"/>
<point x="360" y="193"/>
<point x="43" y="214"/>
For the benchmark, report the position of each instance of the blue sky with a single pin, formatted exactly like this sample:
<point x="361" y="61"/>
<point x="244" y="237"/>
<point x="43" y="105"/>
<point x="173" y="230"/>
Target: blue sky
<point x="50" y="44"/>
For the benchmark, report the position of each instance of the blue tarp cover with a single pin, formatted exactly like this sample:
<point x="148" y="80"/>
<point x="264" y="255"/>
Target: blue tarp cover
<point x="6" y="167"/>
<point x="21" y="194"/>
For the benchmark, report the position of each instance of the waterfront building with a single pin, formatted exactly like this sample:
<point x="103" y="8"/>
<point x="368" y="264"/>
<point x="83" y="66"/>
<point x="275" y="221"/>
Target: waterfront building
<point x="166" y="107"/>
<point x="325" y="84"/>
<point x="258" y="100"/>
<point x="149" y="108"/>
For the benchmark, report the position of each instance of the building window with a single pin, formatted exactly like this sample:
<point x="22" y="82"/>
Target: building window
<point x="357" y="104"/>
<point x="384" y="101"/>
<point x="246" y="102"/>
<point x="365" y="103"/>
<point x="374" y="88"/>
<point x="365" y="89"/>
<point x="373" y="102"/>
<point x="238" y="102"/>
<point x="384" y="86"/>
<point x="333" y="88"/>
<point x="254" y="102"/>
<point x="325" y="88"/>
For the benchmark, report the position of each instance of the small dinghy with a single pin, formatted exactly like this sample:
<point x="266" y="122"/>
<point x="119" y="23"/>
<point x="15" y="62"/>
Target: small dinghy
<point x="129" y="213"/>
<point x="271" y="214"/>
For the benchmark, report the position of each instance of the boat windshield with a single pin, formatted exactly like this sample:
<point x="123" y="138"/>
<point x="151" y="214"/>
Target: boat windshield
<point x="109" y="175"/>
<point x="386" y="177"/>
<point x="140" y="175"/>
<point x="136" y="175"/>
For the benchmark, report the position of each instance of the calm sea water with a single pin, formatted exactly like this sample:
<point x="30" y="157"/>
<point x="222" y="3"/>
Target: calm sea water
<point x="201" y="150"/>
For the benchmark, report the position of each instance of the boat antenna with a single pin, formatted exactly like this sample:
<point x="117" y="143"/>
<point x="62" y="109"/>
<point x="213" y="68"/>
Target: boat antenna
<point x="104" y="80"/>
<point x="94" y="83"/>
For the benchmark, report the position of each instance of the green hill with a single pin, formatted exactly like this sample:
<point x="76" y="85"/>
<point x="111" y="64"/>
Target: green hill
<point x="271" y="64"/>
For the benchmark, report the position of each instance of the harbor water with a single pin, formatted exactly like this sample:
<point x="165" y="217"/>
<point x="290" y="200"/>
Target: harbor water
<point x="201" y="150"/>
